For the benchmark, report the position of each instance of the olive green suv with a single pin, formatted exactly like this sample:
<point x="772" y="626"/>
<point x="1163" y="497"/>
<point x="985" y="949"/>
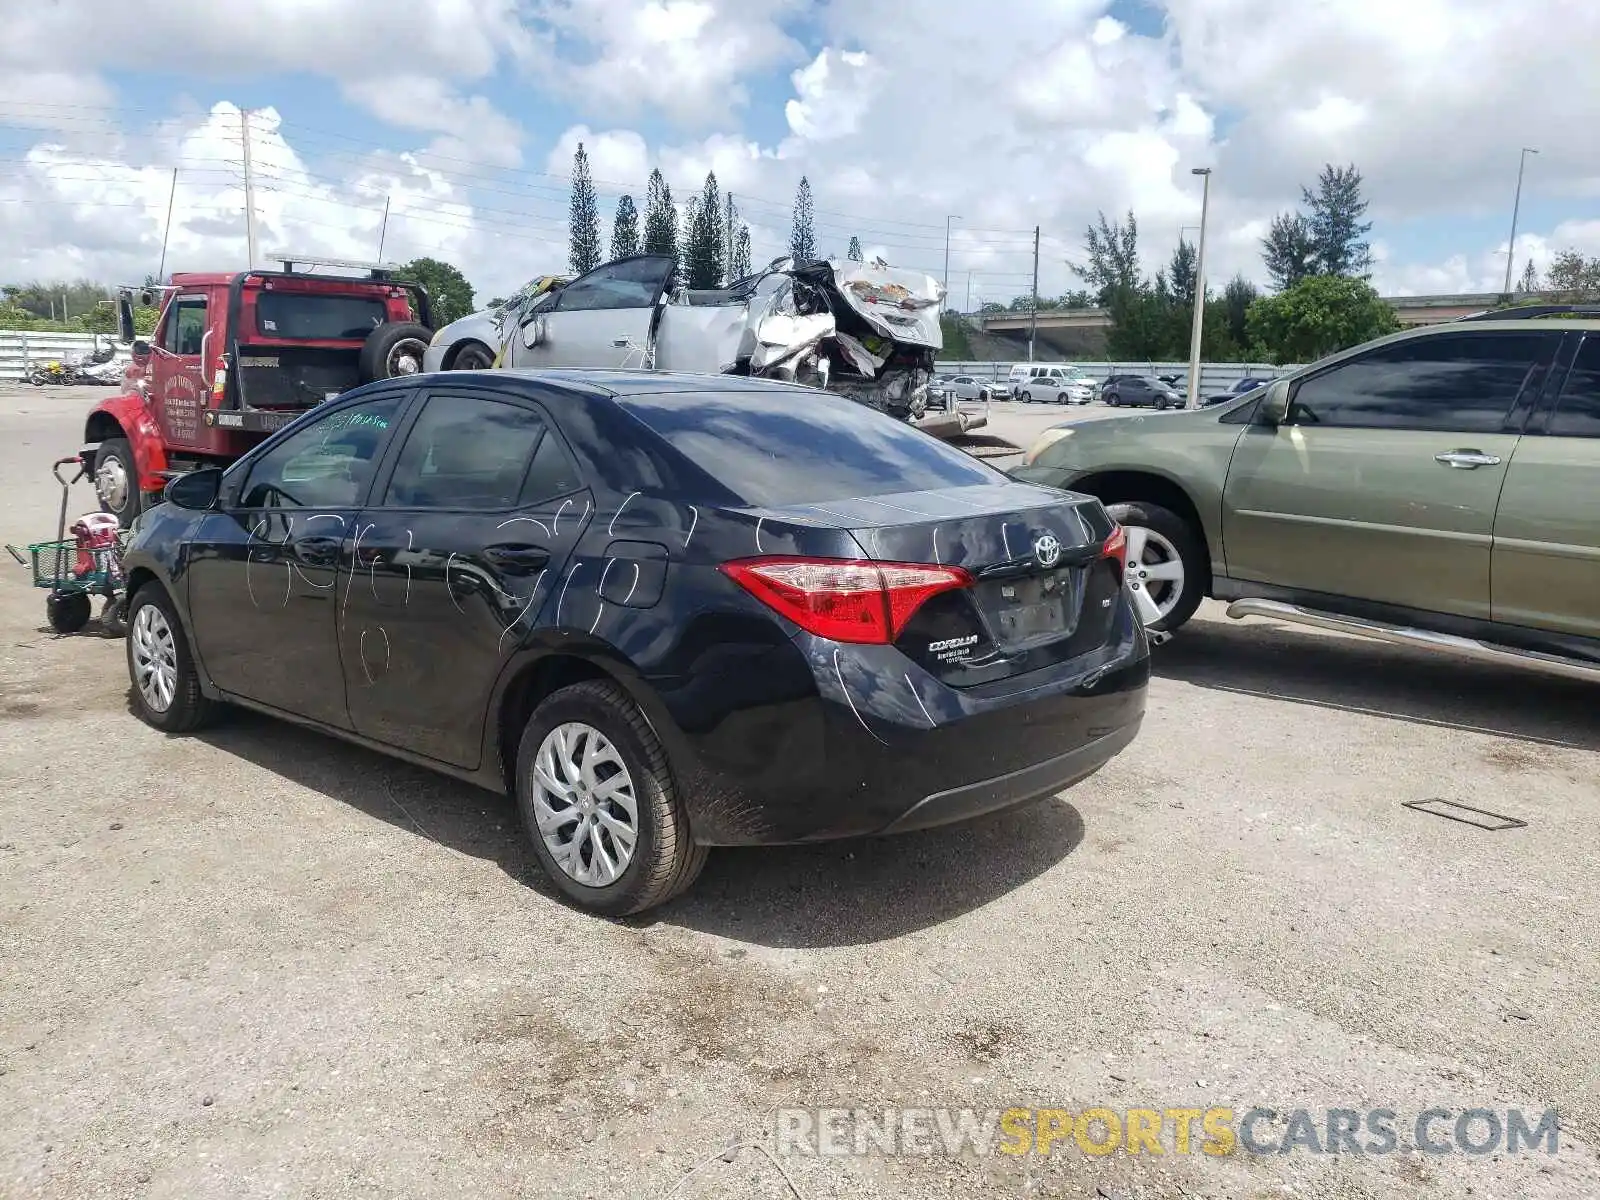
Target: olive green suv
<point x="1438" y="487"/>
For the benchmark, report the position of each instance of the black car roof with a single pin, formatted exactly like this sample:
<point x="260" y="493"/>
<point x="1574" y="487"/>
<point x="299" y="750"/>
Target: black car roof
<point x="614" y="381"/>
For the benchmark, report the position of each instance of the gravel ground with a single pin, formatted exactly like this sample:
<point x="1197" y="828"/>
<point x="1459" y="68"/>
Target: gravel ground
<point x="260" y="962"/>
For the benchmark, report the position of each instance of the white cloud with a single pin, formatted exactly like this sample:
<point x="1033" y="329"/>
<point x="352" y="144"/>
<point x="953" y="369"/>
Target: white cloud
<point x="475" y="129"/>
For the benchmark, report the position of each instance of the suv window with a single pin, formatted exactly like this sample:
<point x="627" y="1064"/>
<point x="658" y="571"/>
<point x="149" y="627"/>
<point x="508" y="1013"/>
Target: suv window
<point x="310" y="316"/>
<point x="1464" y="383"/>
<point x="327" y="464"/>
<point x="186" y="326"/>
<point x="631" y="283"/>
<point x="1578" y="412"/>
<point x="467" y="452"/>
<point x="768" y="450"/>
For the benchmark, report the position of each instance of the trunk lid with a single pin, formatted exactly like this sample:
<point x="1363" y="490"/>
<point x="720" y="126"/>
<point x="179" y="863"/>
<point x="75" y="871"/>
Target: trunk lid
<point x="1043" y="592"/>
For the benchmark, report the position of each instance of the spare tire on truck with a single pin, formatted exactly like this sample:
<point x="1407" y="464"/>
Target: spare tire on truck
<point x="394" y="348"/>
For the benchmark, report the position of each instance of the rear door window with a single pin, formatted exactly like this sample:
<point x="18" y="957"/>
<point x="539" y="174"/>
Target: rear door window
<point x="1578" y="412"/>
<point x="791" y="447"/>
<point x="469" y="452"/>
<point x="307" y="316"/>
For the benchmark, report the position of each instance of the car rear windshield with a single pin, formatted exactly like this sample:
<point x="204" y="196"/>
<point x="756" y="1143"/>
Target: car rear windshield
<point x="313" y="317"/>
<point x="781" y="447"/>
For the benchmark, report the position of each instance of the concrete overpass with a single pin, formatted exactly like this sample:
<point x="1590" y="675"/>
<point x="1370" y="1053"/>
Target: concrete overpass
<point x="1412" y="310"/>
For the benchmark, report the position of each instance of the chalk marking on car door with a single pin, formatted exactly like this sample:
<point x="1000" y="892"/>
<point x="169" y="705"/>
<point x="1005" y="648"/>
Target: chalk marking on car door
<point x="564" y="588"/>
<point x="692" y="524"/>
<point x="932" y="724"/>
<point x="535" y="521"/>
<point x="612" y="528"/>
<point x="837" y="670"/>
<point x="532" y="593"/>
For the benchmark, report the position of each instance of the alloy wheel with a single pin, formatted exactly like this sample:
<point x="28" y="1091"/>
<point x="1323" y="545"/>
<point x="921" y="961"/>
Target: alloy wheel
<point x="585" y="804"/>
<point x="1155" y="573"/>
<point x="155" y="658"/>
<point x="111" y="483"/>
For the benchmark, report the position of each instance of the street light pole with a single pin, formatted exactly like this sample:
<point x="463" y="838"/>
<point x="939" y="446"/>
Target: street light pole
<point x="1199" y="290"/>
<point x="947" y="221"/>
<point x="1511" y="246"/>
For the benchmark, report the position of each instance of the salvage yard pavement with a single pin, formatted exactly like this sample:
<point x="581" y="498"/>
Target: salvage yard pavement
<point x="258" y="961"/>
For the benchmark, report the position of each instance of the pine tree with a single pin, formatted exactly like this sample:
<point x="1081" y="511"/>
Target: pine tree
<point x="1112" y="251"/>
<point x="854" y="252"/>
<point x="803" y="237"/>
<point x="1337" y="230"/>
<point x="1530" y="279"/>
<point x="1181" y="273"/>
<point x="741" y="253"/>
<point x="625" y="229"/>
<point x="703" y="251"/>
<point x="1289" y="250"/>
<point x="583" y="221"/>
<point x="660" y="218"/>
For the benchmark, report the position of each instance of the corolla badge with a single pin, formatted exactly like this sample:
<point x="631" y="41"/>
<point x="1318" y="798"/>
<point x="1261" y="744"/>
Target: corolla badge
<point x="1047" y="549"/>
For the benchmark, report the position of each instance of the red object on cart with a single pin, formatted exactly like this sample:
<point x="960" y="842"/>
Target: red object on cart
<point x="93" y="531"/>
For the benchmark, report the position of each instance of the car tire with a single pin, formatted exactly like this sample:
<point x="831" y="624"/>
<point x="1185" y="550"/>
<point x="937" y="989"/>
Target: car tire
<point x="392" y="349"/>
<point x="1189" y="545"/>
<point x="1161" y="404"/>
<point x="116" y="481"/>
<point x="1063" y="398"/>
<point x="67" y="612"/>
<point x="1026" y="397"/>
<point x="474" y="356"/>
<point x="157" y="645"/>
<point x="664" y="860"/>
<point x="1113" y="400"/>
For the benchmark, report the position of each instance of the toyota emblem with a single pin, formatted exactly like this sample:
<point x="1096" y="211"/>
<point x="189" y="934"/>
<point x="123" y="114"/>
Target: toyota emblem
<point x="1047" y="549"/>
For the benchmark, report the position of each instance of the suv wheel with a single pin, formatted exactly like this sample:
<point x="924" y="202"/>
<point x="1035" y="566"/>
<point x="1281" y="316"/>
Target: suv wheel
<point x="1113" y="399"/>
<point x="599" y="803"/>
<point x="1166" y="563"/>
<point x="1026" y="397"/>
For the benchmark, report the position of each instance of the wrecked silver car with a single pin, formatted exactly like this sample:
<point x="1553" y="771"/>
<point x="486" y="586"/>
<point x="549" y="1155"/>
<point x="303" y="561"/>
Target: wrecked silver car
<point x="863" y="330"/>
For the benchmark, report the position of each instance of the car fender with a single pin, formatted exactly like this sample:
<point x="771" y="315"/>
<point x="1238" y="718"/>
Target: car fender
<point x="128" y="415"/>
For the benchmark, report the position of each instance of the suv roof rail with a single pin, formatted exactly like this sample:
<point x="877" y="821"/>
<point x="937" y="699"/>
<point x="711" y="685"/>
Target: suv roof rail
<point x="1527" y="312"/>
<point x="375" y="270"/>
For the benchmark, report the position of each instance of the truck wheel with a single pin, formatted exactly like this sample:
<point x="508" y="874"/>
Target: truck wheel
<point x="600" y="805"/>
<point x="116" y="481"/>
<point x="1166" y="559"/>
<point x="474" y="356"/>
<point x="392" y="349"/>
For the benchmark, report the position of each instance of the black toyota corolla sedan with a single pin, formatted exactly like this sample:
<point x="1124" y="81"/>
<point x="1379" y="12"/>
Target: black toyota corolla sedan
<point x="664" y="612"/>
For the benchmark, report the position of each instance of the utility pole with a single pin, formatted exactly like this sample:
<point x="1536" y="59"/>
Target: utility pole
<point x="968" y="307"/>
<point x="947" y="221"/>
<point x="383" y="230"/>
<point x="1511" y="246"/>
<point x="1199" y="290"/>
<point x="1033" y="309"/>
<point x="249" y="191"/>
<point x="172" y="195"/>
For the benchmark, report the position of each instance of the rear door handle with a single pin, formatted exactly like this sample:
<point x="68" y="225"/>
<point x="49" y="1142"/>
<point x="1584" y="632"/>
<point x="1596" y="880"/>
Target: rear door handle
<point x="516" y="558"/>
<point x="317" y="551"/>
<point x="1467" y="460"/>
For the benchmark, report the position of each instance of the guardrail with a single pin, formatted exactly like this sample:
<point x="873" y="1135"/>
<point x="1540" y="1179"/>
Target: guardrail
<point x="1214" y="377"/>
<point x="17" y="350"/>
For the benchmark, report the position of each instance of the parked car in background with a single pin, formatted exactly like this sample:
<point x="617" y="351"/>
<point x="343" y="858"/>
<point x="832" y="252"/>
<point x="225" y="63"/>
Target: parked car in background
<point x="970" y="387"/>
<point x="1433" y="488"/>
<point x="664" y="612"/>
<point x="473" y="342"/>
<point x="1052" y="384"/>
<point x="1136" y="391"/>
<point x="1234" y="392"/>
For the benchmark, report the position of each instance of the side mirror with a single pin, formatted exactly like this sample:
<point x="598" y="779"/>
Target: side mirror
<point x="533" y="332"/>
<point x="1274" y="408"/>
<point x="125" y="330"/>
<point x="195" y="490"/>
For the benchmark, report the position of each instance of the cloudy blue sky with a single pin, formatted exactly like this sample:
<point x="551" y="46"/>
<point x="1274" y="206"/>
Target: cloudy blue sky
<point x="463" y="114"/>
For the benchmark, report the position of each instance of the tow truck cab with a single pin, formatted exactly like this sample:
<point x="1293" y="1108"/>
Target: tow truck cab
<point x="237" y="356"/>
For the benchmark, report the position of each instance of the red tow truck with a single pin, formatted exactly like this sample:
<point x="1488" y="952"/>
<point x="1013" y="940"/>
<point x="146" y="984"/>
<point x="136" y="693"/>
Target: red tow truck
<point x="238" y="355"/>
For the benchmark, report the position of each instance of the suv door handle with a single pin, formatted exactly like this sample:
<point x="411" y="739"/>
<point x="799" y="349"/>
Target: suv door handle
<point x="1467" y="460"/>
<point x="317" y="551"/>
<point x="517" y="558"/>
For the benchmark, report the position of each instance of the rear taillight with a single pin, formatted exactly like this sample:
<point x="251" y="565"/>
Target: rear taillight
<point x="845" y="600"/>
<point x="1116" y="547"/>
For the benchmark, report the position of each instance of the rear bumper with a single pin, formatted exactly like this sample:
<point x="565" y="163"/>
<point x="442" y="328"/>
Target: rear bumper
<point x="818" y="740"/>
<point x="1014" y="787"/>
